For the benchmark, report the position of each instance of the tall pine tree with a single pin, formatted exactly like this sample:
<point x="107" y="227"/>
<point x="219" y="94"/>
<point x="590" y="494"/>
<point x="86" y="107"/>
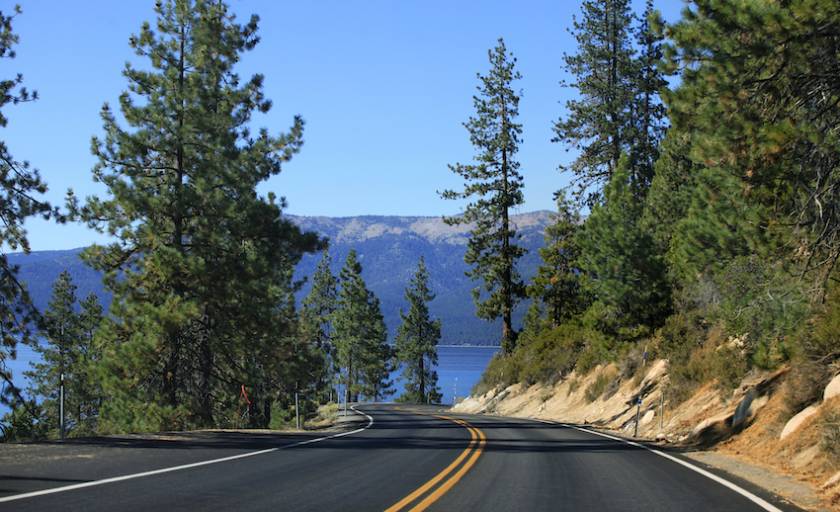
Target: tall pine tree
<point x="557" y="282"/>
<point x="360" y="336"/>
<point x="617" y="256"/>
<point x="494" y="185"/>
<point x="315" y="320"/>
<point x="599" y="124"/>
<point x="417" y="339"/>
<point x="200" y="260"/>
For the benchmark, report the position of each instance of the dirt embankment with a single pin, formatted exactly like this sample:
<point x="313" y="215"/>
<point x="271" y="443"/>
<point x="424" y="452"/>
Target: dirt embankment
<point x="749" y="433"/>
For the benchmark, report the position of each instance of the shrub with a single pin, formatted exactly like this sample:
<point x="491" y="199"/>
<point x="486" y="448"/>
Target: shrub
<point x="597" y="388"/>
<point x="830" y="428"/>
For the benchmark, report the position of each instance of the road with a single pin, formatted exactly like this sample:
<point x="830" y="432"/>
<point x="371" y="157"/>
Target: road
<point x="397" y="458"/>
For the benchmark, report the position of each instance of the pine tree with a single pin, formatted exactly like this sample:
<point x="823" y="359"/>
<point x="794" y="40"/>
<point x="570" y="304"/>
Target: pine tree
<point x="758" y="97"/>
<point x="600" y="123"/>
<point x="557" y="282"/>
<point x="315" y="320"/>
<point x="200" y="260"/>
<point x="417" y="339"/>
<point x="617" y="256"/>
<point x="494" y="185"/>
<point x="648" y="111"/>
<point x="21" y="191"/>
<point x="86" y="357"/>
<point x="58" y="357"/>
<point x="360" y="335"/>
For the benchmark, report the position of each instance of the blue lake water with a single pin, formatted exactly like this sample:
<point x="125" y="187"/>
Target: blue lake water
<point x="459" y="368"/>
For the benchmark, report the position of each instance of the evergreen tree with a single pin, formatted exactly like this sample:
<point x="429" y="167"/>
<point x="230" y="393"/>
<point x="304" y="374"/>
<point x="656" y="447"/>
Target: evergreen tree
<point x="86" y="357"/>
<point x="315" y="319"/>
<point x="495" y="186"/>
<point x="360" y="335"/>
<point x="600" y="123"/>
<point x="557" y="282"/>
<point x="758" y="97"/>
<point x="417" y="339"/>
<point x="21" y="190"/>
<point x="57" y="361"/>
<point x="648" y="111"/>
<point x="616" y="254"/>
<point x="200" y="260"/>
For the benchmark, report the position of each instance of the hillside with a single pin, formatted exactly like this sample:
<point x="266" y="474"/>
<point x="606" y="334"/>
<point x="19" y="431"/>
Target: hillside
<point x="388" y="248"/>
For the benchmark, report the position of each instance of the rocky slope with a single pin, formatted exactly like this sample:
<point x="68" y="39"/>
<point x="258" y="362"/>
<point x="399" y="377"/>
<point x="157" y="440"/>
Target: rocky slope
<point x="751" y="429"/>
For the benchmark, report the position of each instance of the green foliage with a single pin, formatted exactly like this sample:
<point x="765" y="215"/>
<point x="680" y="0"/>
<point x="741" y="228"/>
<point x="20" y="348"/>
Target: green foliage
<point x="201" y="265"/>
<point x="70" y="351"/>
<point x="24" y="423"/>
<point x="417" y="339"/>
<point x="360" y="336"/>
<point x="494" y="185"/>
<point x="749" y="73"/>
<point x="315" y="326"/>
<point x="547" y="356"/>
<point x="598" y="123"/>
<point x="557" y="282"/>
<point x="618" y="110"/>
<point x="622" y="270"/>
<point x="719" y="225"/>
<point x="599" y="386"/>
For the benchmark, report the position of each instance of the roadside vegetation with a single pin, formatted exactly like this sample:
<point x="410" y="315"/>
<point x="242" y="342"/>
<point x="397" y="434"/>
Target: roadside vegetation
<point x="702" y="226"/>
<point x="203" y="329"/>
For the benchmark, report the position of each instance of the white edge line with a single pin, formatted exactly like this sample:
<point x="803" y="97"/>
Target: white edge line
<point x="121" y="478"/>
<point x="722" y="481"/>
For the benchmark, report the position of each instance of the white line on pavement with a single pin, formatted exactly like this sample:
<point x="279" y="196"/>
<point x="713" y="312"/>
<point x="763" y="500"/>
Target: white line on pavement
<point x="722" y="481"/>
<point x="83" y="485"/>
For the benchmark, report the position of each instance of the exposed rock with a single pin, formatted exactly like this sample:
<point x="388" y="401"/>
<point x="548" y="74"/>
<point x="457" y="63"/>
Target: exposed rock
<point x="742" y="412"/>
<point x="648" y="417"/>
<point x="832" y="481"/>
<point x="794" y="423"/>
<point x="833" y="388"/>
<point x="805" y="457"/>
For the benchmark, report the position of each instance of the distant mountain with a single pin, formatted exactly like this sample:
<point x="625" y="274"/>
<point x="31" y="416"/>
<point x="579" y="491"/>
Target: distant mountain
<point x="388" y="248"/>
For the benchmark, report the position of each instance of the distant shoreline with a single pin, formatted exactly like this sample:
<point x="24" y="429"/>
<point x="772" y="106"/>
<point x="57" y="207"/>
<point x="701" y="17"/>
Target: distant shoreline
<point x="469" y="345"/>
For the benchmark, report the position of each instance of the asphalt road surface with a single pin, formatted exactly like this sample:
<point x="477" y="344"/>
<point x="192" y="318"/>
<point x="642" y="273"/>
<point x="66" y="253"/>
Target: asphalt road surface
<point x="397" y="458"/>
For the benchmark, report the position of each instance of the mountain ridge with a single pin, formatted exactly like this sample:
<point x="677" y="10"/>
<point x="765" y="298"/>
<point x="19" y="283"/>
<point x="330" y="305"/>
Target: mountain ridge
<point x="388" y="247"/>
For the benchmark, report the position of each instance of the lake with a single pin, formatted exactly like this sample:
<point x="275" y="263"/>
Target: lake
<point x="459" y="368"/>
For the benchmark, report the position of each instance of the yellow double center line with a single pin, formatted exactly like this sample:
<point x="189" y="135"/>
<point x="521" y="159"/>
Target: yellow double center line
<point x="471" y="454"/>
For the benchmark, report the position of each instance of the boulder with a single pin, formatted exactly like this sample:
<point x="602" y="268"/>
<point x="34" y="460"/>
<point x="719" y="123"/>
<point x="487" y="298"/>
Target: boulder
<point x="648" y="417"/>
<point x="794" y="423"/>
<point x="742" y="412"/>
<point x="833" y="388"/>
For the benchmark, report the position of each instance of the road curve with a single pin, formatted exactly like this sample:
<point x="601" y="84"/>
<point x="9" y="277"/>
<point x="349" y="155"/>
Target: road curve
<point x="411" y="458"/>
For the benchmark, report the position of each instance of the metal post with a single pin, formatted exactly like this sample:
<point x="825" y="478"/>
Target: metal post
<point x="61" y="408"/>
<point x="455" y="392"/>
<point x="638" y="409"/>
<point x="297" y="411"/>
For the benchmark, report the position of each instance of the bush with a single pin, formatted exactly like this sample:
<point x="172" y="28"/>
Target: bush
<point x="830" y="428"/>
<point x="599" y="386"/>
<point x="20" y="425"/>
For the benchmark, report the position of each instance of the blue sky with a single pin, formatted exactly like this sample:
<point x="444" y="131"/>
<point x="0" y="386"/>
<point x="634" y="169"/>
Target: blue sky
<point x="383" y="86"/>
